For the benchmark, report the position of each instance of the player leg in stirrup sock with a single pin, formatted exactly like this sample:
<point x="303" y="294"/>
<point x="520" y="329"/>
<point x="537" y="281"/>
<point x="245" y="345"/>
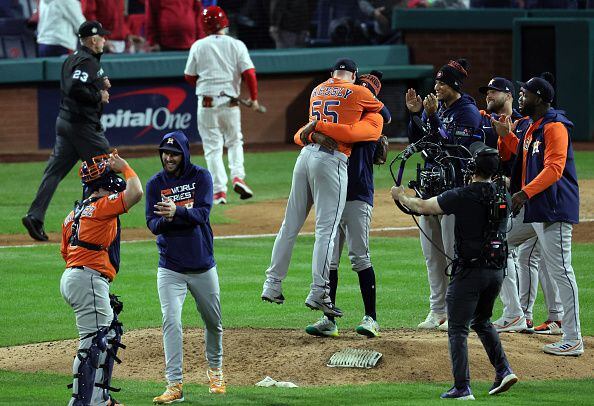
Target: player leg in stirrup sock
<point x="88" y="362"/>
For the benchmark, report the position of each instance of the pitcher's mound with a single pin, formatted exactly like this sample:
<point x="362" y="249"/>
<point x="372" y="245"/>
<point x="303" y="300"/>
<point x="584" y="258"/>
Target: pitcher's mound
<point x="292" y="355"/>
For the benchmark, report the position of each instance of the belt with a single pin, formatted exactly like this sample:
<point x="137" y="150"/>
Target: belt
<point x="326" y="150"/>
<point x="81" y="268"/>
<point x="207" y="102"/>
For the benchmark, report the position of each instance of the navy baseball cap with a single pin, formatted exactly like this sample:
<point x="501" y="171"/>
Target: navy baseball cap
<point x="170" y="144"/>
<point x="90" y="28"/>
<point x="345" y="64"/>
<point x="498" y="84"/>
<point x="541" y="87"/>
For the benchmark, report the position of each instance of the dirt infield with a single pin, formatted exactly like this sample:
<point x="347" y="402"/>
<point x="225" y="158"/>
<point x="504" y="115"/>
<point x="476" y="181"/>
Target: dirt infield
<point x="292" y="355"/>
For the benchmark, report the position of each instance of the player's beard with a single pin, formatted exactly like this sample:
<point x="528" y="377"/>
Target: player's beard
<point x="527" y="109"/>
<point x="172" y="168"/>
<point x="495" y="106"/>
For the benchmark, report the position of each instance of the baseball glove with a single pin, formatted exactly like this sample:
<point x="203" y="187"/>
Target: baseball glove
<point x="380" y="156"/>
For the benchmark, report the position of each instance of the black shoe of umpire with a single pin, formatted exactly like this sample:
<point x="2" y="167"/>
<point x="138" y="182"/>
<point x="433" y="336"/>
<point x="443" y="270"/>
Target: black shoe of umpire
<point x="35" y="228"/>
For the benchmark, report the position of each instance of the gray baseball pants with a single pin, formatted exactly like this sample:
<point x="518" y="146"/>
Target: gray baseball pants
<point x="555" y="242"/>
<point x="440" y="229"/>
<point x="88" y="295"/>
<point x="320" y="179"/>
<point x="173" y="288"/>
<point x="354" y="230"/>
<point x="532" y="270"/>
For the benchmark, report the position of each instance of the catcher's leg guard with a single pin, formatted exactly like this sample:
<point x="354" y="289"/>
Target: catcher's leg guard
<point x="88" y="362"/>
<point x="116" y="329"/>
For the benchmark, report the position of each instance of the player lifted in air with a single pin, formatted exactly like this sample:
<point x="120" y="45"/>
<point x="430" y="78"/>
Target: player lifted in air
<point x="320" y="179"/>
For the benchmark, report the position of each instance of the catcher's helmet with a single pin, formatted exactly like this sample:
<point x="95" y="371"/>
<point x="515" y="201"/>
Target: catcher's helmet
<point x="96" y="173"/>
<point x="214" y="19"/>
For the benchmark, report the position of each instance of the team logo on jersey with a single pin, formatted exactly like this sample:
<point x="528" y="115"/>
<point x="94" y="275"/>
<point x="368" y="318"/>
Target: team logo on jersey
<point x="535" y="147"/>
<point x="182" y="195"/>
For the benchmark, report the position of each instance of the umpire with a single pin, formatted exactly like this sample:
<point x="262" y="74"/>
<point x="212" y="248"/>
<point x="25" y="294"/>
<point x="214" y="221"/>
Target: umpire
<point x="79" y="134"/>
<point x="481" y="213"/>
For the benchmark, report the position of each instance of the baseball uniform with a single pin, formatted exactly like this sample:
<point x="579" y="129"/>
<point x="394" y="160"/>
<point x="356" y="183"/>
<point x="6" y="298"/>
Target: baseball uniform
<point x="219" y="62"/>
<point x="320" y="179"/>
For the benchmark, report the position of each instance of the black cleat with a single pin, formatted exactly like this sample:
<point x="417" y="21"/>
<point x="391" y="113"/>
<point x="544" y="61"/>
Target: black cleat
<point x="35" y="228"/>
<point x="280" y="299"/>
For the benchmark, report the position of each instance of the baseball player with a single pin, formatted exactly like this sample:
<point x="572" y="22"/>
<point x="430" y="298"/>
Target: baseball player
<point x="532" y="270"/>
<point x="178" y="203"/>
<point x="216" y="64"/>
<point x="79" y="134"/>
<point x="499" y="94"/>
<point x="91" y="249"/>
<point x="453" y="118"/>
<point x="546" y="196"/>
<point x="320" y="179"/>
<point x="356" y="218"/>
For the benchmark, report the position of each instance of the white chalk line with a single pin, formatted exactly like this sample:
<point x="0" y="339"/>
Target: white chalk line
<point x="246" y="236"/>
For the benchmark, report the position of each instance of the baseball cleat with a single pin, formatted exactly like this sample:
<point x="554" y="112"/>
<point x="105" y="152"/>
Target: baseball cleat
<point x="324" y="304"/>
<point x="35" y="228"/>
<point x="573" y="348"/>
<point x="216" y="380"/>
<point x="503" y="382"/>
<point x="529" y="327"/>
<point x="219" y="198"/>
<point x="433" y="320"/>
<point x="368" y="327"/>
<point x="443" y="326"/>
<point x="241" y="188"/>
<point x="272" y="292"/>
<point x="458" y="394"/>
<point x="324" y="327"/>
<point x="551" y="327"/>
<point x="172" y="394"/>
<point x="504" y="325"/>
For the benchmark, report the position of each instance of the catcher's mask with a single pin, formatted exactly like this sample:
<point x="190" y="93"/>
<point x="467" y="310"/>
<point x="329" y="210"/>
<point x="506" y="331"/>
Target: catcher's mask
<point x="96" y="174"/>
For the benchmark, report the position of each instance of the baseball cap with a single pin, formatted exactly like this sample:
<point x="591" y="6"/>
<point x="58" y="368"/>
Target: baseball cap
<point x="90" y="28"/>
<point x="345" y="64"/>
<point x="541" y="86"/>
<point x="498" y="84"/>
<point x="170" y="144"/>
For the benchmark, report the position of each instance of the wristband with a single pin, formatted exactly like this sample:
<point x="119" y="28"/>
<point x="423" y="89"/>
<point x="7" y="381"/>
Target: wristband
<point x="128" y="172"/>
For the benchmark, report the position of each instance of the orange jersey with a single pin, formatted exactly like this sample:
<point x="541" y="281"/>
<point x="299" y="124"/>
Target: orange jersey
<point x="555" y="145"/>
<point x="342" y="102"/>
<point x="368" y="129"/>
<point x="98" y="225"/>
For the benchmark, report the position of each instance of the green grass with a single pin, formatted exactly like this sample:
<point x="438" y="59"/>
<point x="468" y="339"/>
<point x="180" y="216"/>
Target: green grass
<point x="50" y="390"/>
<point x="33" y="310"/>
<point x="269" y="174"/>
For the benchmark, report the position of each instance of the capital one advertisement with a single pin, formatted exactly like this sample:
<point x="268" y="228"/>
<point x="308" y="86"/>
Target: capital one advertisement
<point x="135" y="115"/>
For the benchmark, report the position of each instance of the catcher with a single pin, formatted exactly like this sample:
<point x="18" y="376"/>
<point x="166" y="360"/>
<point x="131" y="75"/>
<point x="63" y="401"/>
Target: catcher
<point x="91" y="249"/>
<point x="356" y="217"/>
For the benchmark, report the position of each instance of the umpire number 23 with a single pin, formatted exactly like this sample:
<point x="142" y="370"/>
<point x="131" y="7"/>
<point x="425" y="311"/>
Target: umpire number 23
<point x="82" y="76"/>
<point x="322" y="110"/>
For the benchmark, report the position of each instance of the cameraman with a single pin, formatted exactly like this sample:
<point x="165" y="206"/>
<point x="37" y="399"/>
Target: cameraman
<point x="452" y="117"/>
<point x="478" y="268"/>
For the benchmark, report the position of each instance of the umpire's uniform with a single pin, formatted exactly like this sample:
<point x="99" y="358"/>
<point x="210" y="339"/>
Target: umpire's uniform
<point x="79" y="134"/>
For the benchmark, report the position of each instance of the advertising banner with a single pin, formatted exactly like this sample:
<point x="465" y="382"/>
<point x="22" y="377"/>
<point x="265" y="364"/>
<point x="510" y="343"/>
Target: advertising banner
<point x="135" y="115"/>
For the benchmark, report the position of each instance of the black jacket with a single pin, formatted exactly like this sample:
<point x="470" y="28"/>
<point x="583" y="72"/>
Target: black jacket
<point x="81" y="82"/>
